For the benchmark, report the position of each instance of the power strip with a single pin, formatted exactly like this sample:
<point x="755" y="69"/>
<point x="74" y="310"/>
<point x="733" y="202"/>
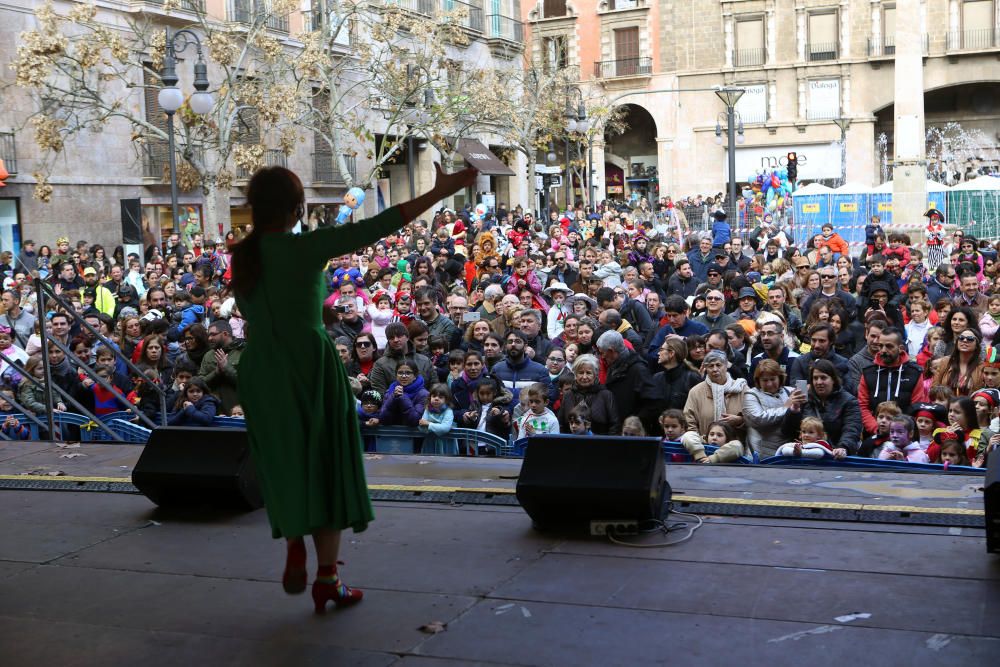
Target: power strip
<point x="601" y="528"/>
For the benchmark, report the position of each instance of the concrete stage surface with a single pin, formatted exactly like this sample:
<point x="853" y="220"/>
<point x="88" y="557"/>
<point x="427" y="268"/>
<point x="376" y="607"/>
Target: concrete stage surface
<point x="94" y="578"/>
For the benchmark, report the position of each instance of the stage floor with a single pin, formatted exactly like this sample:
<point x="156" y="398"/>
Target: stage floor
<point x="93" y="578"/>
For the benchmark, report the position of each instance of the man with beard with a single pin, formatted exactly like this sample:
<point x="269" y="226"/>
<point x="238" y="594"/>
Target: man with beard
<point x="218" y="368"/>
<point x="397" y="349"/>
<point x="821" y="340"/>
<point x="517" y="371"/>
<point x="892" y="377"/>
<point x="772" y="339"/>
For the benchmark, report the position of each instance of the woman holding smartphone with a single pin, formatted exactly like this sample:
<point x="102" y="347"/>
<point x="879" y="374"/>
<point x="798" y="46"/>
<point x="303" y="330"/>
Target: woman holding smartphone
<point x="766" y="406"/>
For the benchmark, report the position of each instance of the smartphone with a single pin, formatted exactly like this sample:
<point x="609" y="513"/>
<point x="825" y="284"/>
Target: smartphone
<point x="802" y="386"/>
<point x="471" y="317"/>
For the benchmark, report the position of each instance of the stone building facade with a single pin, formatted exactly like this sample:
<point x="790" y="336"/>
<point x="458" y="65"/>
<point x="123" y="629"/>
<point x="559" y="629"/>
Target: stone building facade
<point x="97" y="171"/>
<point x="803" y="65"/>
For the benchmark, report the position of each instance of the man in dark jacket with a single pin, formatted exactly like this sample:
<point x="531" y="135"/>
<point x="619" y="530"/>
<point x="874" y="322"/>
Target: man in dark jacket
<point x="683" y="281"/>
<point x="631" y="310"/>
<point x="821" y="340"/>
<point x="517" y="371"/>
<point x="397" y="348"/>
<point x="628" y="380"/>
<point x="700" y="258"/>
<point x="942" y="285"/>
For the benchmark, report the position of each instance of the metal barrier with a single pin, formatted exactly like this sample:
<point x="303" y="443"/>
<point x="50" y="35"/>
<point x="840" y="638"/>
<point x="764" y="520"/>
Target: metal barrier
<point x="46" y="292"/>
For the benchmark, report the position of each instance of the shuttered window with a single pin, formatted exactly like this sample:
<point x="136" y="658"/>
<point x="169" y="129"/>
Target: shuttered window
<point x="626" y="51"/>
<point x="554" y="8"/>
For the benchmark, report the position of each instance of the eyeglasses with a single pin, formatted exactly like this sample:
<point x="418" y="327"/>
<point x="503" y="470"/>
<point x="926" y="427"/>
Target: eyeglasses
<point x="363" y="343"/>
<point x="826" y="276"/>
<point x="713" y="298"/>
<point x="404" y="373"/>
<point x="967" y="339"/>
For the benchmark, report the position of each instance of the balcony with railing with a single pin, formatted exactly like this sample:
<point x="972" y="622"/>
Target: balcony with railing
<point x="749" y="57"/>
<point x="246" y="11"/>
<point x="273" y="157"/>
<point x="974" y="40"/>
<point x="821" y="51"/>
<point x="885" y="47"/>
<point x="8" y="152"/>
<point x="326" y="171"/>
<point x="624" y="67"/>
<point x="193" y="6"/>
<point x="505" y="28"/>
<point x="472" y="16"/>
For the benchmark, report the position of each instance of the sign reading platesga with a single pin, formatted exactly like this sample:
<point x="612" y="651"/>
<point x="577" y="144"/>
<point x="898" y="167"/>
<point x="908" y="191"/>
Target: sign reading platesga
<point x="815" y="160"/>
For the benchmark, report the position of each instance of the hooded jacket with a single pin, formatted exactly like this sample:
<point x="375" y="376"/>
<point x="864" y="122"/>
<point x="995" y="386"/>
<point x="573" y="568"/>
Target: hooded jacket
<point x="880" y="382"/>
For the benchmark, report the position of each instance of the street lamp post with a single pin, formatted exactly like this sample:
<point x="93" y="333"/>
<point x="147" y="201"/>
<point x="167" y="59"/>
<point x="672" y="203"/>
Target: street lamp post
<point x="729" y="97"/>
<point x="576" y="122"/>
<point x="843" y="124"/>
<point x="171" y="98"/>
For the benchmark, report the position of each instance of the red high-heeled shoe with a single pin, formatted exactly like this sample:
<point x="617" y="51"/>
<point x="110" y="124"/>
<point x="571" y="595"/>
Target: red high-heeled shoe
<point x="342" y="596"/>
<point x="295" y="578"/>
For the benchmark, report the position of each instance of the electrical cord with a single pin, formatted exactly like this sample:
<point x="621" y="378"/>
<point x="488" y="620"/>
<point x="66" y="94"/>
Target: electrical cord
<point x="665" y="529"/>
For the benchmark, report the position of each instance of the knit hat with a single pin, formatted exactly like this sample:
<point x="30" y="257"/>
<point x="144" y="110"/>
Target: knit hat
<point x="714" y="268"/>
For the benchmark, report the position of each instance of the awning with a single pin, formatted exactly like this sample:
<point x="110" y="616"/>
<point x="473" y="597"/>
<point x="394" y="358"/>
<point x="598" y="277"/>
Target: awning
<point x="481" y="158"/>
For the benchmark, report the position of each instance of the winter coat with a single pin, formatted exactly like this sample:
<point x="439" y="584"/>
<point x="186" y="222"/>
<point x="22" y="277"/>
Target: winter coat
<point x="764" y="414"/>
<point x="498" y="424"/>
<point x="604" y="417"/>
<point x="631" y="383"/>
<point x="223" y="381"/>
<point x="405" y="410"/>
<point x="804" y="362"/>
<point x="839" y="413"/>
<point x="439" y="424"/>
<point x="671" y="387"/>
<point x="699" y="410"/>
<point x="880" y="382"/>
<point x="383" y="372"/>
<point x="517" y="376"/>
<point x="463" y="391"/>
<point x="200" y="414"/>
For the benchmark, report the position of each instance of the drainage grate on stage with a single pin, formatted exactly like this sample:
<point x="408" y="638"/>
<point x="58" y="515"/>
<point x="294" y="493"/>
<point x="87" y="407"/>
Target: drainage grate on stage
<point x="457" y="497"/>
<point x="859" y="515"/>
<point x="56" y="484"/>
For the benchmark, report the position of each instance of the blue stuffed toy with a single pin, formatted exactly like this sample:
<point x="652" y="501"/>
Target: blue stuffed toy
<point x="353" y="200"/>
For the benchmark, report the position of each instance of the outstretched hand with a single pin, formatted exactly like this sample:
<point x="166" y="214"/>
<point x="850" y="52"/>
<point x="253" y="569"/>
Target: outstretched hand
<point x="446" y="185"/>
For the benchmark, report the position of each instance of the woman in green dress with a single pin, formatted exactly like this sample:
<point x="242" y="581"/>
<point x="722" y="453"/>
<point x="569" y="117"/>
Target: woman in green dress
<point x="300" y="412"/>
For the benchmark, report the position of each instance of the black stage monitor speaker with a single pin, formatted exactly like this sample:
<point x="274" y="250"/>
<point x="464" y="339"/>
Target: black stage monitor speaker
<point x="131" y="221"/>
<point x="567" y="481"/>
<point x="183" y="466"/>
<point x="991" y="501"/>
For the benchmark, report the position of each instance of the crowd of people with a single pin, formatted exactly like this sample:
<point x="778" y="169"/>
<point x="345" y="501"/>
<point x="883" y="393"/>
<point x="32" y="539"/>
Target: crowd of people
<point x="626" y="322"/>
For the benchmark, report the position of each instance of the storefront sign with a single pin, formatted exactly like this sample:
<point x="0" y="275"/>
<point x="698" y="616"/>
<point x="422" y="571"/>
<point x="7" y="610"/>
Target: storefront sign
<point x="815" y="161"/>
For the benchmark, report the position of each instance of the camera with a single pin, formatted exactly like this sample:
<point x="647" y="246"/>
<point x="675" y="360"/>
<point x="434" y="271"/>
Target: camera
<point x="341" y="309"/>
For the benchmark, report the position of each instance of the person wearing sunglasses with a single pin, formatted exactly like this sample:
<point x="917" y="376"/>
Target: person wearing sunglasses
<point x="715" y="316"/>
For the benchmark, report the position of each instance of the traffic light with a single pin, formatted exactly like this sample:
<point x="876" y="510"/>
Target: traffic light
<point x="793" y="166"/>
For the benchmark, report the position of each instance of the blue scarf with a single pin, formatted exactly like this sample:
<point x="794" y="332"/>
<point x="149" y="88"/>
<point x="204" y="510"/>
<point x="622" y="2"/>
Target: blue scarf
<point x="410" y="390"/>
